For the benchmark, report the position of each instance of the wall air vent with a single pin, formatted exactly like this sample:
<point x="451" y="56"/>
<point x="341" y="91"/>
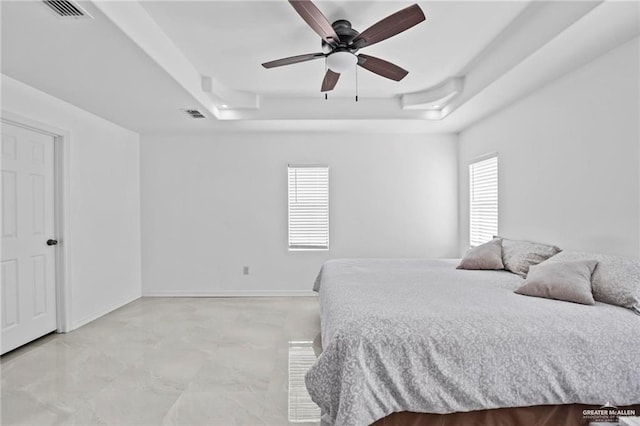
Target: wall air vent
<point x="194" y="113"/>
<point x="67" y="9"/>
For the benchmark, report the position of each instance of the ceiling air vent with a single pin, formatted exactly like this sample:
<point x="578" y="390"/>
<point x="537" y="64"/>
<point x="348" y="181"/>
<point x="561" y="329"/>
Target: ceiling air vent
<point x="67" y="9"/>
<point x="194" y="113"/>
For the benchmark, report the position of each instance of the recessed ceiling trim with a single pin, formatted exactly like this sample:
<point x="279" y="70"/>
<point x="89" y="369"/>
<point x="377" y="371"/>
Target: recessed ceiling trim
<point x="434" y="98"/>
<point x="222" y="95"/>
<point x="136" y="23"/>
<point x="537" y="25"/>
<point x="498" y="67"/>
<point x="335" y="108"/>
<point x="606" y="27"/>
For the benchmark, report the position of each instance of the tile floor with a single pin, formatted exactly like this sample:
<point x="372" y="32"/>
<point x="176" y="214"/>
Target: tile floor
<point x="157" y="361"/>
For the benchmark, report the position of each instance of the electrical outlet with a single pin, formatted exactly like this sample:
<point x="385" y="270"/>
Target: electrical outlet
<point x="245" y="270"/>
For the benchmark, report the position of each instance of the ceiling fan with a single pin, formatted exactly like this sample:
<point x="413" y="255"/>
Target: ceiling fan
<point x="340" y="42"/>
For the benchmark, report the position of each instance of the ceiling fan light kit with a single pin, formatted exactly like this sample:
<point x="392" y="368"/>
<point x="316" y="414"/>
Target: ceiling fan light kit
<point x="341" y="43"/>
<point x="341" y="61"/>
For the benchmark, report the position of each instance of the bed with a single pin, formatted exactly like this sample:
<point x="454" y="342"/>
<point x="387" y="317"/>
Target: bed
<point x="420" y="336"/>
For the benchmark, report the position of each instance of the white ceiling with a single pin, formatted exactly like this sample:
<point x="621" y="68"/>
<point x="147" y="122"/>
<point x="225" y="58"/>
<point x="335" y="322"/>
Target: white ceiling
<point x="231" y="39"/>
<point x="139" y="63"/>
<point x="91" y="64"/>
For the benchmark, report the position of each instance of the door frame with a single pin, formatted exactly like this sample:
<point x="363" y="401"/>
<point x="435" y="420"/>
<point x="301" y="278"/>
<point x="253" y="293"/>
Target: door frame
<point x="61" y="184"/>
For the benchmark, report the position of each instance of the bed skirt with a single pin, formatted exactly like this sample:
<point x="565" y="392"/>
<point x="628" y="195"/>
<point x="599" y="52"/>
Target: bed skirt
<point x="541" y="415"/>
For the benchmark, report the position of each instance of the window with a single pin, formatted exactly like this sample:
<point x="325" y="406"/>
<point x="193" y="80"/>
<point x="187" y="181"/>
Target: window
<point x="483" y="200"/>
<point x="308" y="207"/>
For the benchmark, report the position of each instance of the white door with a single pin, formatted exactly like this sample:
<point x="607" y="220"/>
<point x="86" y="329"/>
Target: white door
<point x="28" y="262"/>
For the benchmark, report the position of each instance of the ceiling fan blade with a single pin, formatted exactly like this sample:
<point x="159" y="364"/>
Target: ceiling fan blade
<point x="390" y="26"/>
<point x="330" y="80"/>
<point x="316" y="20"/>
<point x="382" y="67"/>
<point x="293" y="60"/>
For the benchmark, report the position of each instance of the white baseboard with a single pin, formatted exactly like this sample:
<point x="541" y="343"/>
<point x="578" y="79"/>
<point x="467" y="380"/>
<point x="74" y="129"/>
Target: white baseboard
<point x="102" y="312"/>
<point x="247" y="293"/>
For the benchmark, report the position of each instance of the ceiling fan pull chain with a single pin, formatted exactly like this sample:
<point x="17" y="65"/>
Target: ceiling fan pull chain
<point x="356" y="82"/>
<point x="326" y="68"/>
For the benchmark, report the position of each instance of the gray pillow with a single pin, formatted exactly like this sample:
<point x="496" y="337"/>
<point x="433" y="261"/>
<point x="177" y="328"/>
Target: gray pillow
<point x="616" y="279"/>
<point x="569" y="281"/>
<point x="484" y="256"/>
<point x="519" y="255"/>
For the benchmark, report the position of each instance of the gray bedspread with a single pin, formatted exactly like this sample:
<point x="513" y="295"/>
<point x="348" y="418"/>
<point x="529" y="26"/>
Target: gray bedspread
<point x="419" y="335"/>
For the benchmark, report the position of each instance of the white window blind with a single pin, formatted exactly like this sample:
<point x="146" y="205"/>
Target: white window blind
<point x="308" y="207"/>
<point x="483" y="202"/>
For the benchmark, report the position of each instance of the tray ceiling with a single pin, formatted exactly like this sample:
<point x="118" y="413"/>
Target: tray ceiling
<point x="141" y="64"/>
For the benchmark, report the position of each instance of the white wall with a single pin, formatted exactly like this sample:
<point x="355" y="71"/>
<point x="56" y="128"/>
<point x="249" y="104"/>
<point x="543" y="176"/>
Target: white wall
<point x="102" y="235"/>
<point x="214" y="203"/>
<point x="568" y="158"/>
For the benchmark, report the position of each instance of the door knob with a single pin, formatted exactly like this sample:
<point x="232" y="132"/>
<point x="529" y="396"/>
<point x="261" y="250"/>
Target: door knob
<point x="52" y="242"/>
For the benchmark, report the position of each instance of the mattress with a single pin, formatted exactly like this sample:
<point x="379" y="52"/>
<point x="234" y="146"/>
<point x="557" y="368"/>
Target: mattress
<point x="419" y="335"/>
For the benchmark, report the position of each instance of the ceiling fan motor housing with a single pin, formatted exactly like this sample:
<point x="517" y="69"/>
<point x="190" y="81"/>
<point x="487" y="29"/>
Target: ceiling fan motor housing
<point x="343" y="29"/>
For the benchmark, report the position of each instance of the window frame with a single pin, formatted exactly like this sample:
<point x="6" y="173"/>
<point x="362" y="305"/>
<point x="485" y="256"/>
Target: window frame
<point x="473" y="241"/>
<point x="308" y="247"/>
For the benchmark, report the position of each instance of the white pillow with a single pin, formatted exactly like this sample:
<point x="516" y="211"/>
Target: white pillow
<point x="569" y="281"/>
<point x="484" y="256"/>
<point x="519" y="255"/>
<point x="616" y="279"/>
